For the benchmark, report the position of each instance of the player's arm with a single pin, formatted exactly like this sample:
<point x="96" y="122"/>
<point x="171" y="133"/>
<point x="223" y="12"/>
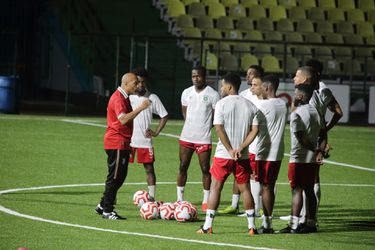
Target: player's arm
<point x="249" y="138"/>
<point x="304" y="140"/>
<point x="160" y="127"/>
<point x="125" y="118"/>
<point x="183" y="109"/>
<point x="335" y="108"/>
<point x="222" y="134"/>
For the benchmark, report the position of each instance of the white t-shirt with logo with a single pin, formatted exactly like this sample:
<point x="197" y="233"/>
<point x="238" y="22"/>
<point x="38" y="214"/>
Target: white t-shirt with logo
<point x="199" y="113"/>
<point x="273" y="116"/>
<point x="321" y="98"/>
<point x="237" y="115"/>
<point x="142" y="121"/>
<point x="307" y="119"/>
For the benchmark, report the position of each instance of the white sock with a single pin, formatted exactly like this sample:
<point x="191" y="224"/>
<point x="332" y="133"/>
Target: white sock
<point x="250" y="214"/>
<point x="255" y="192"/>
<point x="210" y="215"/>
<point x="206" y="194"/>
<point x="293" y="222"/>
<point x="267" y="222"/>
<point x="151" y="191"/>
<point x="235" y="200"/>
<point x="304" y="209"/>
<point x="180" y="193"/>
<point x="317" y="195"/>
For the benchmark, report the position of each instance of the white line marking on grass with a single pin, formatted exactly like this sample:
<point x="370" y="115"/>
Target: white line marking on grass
<point x="176" y="136"/>
<point x="14" y="213"/>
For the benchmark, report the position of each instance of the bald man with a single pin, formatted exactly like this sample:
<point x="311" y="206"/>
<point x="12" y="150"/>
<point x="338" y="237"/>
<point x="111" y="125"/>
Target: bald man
<point x="117" y="138"/>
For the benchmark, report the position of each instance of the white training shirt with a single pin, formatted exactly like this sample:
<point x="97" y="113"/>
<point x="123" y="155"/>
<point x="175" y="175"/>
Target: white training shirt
<point x="237" y="115"/>
<point x="199" y="113"/>
<point x="142" y="121"/>
<point x="305" y="118"/>
<point x="270" y="138"/>
<point x="321" y="98"/>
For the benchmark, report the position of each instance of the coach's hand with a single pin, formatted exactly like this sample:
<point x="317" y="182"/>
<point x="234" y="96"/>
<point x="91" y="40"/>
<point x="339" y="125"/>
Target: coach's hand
<point x="145" y="104"/>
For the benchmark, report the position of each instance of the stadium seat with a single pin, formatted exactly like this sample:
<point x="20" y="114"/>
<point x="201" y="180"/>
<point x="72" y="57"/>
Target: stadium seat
<point x="188" y="2"/>
<point x="234" y="34"/>
<point x="265" y="24"/>
<point x="294" y="37"/>
<point x="245" y="24"/>
<point x="247" y="60"/>
<point x="345" y="27"/>
<point x="356" y="16"/>
<point x="262" y="49"/>
<point x="323" y="53"/>
<point x="365" y="29"/>
<point x="208" y="2"/>
<point x="364" y="53"/>
<point x="256" y="12"/>
<point x="285" y="25"/>
<point x="268" y="3"/>
<point x="288" y="3"/>
<point x="225" y="23"/>
<point x="277" y="12"/>
<point x="334" y="38"/>
<point x="332" y="67"/>
<point x="370" y="68"/>
<point x="342" y="52"/>
<point x="346" y="4"/>
<point x="336" y="15"/>
<point x="205" y="22"/>
<point x="313" y="38"/>
<point x="307" y="4"/>
<point x="292" y="64"/>
<point x="254" y="35"/>
<point x="352" y="67"/>
<point x="304" y="26"/>
<point x="175" y="9"/>
<point x="249" y="3"/>
<point x="211" y="61"/>
<point x="228" y="3"/>
<point x="324" y="27"/>
<point x="196" y="50"/>
<point x="222" y="48"/>
<point x="371" y="16"/>
<point x="270" y="64"/>
<point x="184" y="21"/>
<point x="191" y="32"/>
<point x="197" y="9"/>
<point x="241" y="49"/>
<point x="273" y="36"/>
<point x="302" y="51"/>
<point x="297" y="13"/>
<point x="366" y="4"/>
<point x="279" y="51"/>
<point x="213" y="34"/>
<point x="229" y="63"/>
<point x="216" y="10"/>
<point x="327" y="4"/>
<point x="370" y="40"/>
<point x="316" y="14"/>
<point x="353" y="39"/>
<point x="237" y="11"/>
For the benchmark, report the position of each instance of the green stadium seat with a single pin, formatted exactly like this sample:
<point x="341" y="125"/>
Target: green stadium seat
<point x="222" y="48"/>
<point x="345" y="27"/>
<point x="262" y="49"/>
<point x="229" y="63"/>
<point x="175" y="9"/>
<point x="265" y="24"/>
<point x="370" y="40"/>
<point x="245" y="24"/>
<point x="285" y="25"/>
<point x="228" y="3"/>
<point x="270" y="64"/>
<point x="256" y="12"/>
<point x="370" y="68"/>
<point x="365" y="29"/>
<point x="247" y="60"/>
<point x="297" y="13"/>
<point x="307" y="4"/>
<point x="294" y="37"/>
<point x="279" y="51"/>
<point x="213" y="34"/>
<point x="208" y="2"/>
<point x="249" y="3"/>
<point x="196" y="50"/>
<point x="364" y="53"/>
<point x="356" y="15"/>
<point x="211" y="61"/>
<point x="268" y="3"/>
<point x="332" y="67"/>
<point x="352" y="67"/>
<point x="197" y="9"/>
<point x="304" y="26"/>
<point x="336" y="15"/>
<point x="292" y="64"/>
<point x="277" y="12"/>
<point x="225" y="23"/>
<point x="313" y="38"/>
<point x="346" y="4"/>
<point x="334" y="38"/>
<point x="188" y="2"/>
<point x="366" y="4"/>
<point x="234" y="34"/>
<point x="324" y="27"/>
<point x="371" y="16"/>
<point x="316" y="14"/>
<point x="302" y="51"/>
<point x="342" y="52"/>
<point x="216" y="10"/>
<point x="205" y="22"/>
<point x="323" y="53"/>
<point x="184" y="21"/>
<point x="254" y="35"/>
<point x="354" y="39"/>
<point x="241" y="49"/>
<point x="327" y="4"/>
<point x="191" y="32"/>
<point x="273" y="36"/>
<point x="288" y="3"/>
<point x="237" y="11"/>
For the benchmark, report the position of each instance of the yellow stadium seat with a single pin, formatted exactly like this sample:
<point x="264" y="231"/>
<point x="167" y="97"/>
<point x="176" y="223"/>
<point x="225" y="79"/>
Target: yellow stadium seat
<point x="237" y="11"/>
<point x="247" y="60"/>
<point x="197" y="9"/>
<point x="222" y="48"/>
<point x="327" y="4"/>
<point x="241" y="48"/>
<point x="268" y="3"/>
<point x="225" y="23"/>
<point x="271" y="64"/>
<point x="277" y="13"/>
<point x="332" y="67"/>
<point x="305" y="25"/>
<point x="254" y="35"/>
<point x="370" y="40"/>
<point x="365" y="29"/>
<point x="205" y="22"/>
<point x="371" y="16"/>
<point x="229" y="63"/>
<point x="245" y="24"/>
<point x="356" y="16"/>
<point x="346" y="4"/>
<point x="228" y="3"/>
<point x="279" y="51"/>
<point x="197" y="51"/>
<point x="342" y="52"/>
<point x="273" y="36"/>
<point x="191" y="32"/>
<point x="208" y="2"/>
<point x="334" y="38"/>
<point x="307" y="4"/>
<point x="323" y="53"/>
<point x="175" y="9"/>
<point x="292" y="64"/>
<point x="297" y="13"/>
<point x="345" y="27"/>
<point x="249" y="3"/>
<point x="366" y="4"/>
<point x="316" y="14"/>
<point x="213" y="33"/>
<point x="288" y="3"/>
<point x="211" y="61"/>
<point x="234" y="34"/>
<point x="324" y="27"/>
<point x="184" y="21"/>
<point x="336" y="15"/>
<point x="354" y="39"/>
<point x="256" y="12"/>
<point x="188" y="2"/>
<point x="262" y="49"/>
<point x="216" y="10"/>
<point x="313" y="38"/>
<point x="285" y="25"/>
<point x="294" y="37"/>
<point x="303" y="51"/>
<point x="265" y="24"/>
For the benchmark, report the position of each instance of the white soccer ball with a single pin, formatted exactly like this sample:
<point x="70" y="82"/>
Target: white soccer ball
<point x="194" y="213"/>
<point x="149" y="211"/>
<point x="166" y="211"/>
<point x="140" y="197"/>
<point x="182" y="212"/>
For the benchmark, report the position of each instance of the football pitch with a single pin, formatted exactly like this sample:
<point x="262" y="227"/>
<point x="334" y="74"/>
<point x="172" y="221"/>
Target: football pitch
<point x="52" y="171"/>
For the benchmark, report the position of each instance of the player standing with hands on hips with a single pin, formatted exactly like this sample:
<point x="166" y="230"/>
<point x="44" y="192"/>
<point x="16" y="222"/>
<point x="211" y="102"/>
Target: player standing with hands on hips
<point x="117" y="138"/>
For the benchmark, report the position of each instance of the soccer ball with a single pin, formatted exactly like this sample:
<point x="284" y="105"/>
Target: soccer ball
<point x="140" y="197"/>
<point x="149" y="211"/>
<point x="194" y="212"/>
<point x="166" y="211"/>
<point x="182" y="212"/>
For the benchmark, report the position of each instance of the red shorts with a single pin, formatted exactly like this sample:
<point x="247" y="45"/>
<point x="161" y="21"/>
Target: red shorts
<point x="268" y="171"/>
<point x="222" y="168"/>
<point x="254" y="167"/>
<point x="199" y="148"/>
<point x="145" y="155"/>
<point x="302" y="174"/>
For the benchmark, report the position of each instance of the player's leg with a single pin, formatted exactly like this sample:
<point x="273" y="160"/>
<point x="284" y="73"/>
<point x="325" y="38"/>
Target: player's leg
<point x="233" y="208"/>
<point x="204" y="162"/>
<point x="317" y="191"/>
<point x="255" y="185"/>
<point x="311" y="219"/>
<point x="151" y="178"/>
<point x="185" y="158"/>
